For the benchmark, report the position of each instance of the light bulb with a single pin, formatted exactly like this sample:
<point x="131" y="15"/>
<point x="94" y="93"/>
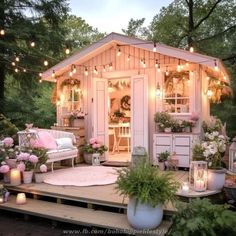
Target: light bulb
<point x="144" y="63"/>
<point x="209" y="93"/>
<point x="53" y="73"/>
<point x="67" y="51"/>
<point x="13" y="63"/>
<point x="70" y="73"/>
<point x="40" y="74"/>
<point x="24" y="70"/>
<point x="104" y="68"/>
<point x="159" y="68"/>
<point x="86" y="71"/>
<point x="2" y="32"/>
<point x="191" y="49"/>
<point x="156" y="64"/>
<point x="32" y="44"/>
<point x="154" y="47"/>
<point x="40" y="81"/>
<point x="45" y="63"/>
<point x="119" y="52"/>
<point x="17" y="59"/>
<point x="167" y="71"/>
<point x="95" y="71"/>
<point x="179" y="68"/>
<point x="187" y="64"/>
<point x="110" y="66"/>
<point x="216" y="66"/>
<point x="16" y="70"/>
<point x="128" y="58"/>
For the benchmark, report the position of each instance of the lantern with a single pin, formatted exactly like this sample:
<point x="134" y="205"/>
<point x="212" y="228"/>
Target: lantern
<point x="198" y="175"/>
<point x="232" y="156"/>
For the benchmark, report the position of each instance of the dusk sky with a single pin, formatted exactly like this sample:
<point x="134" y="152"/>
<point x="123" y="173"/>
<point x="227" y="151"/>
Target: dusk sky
<point x="114" y="15"/>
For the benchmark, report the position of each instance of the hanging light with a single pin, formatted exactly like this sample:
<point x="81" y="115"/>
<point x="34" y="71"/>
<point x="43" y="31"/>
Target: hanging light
<point x="16" y="70"/>
<point x="2" y="32"/>
<point x="216" y="66"/>
<point x="154" y="47"/>
<point x="158" y="90"/>
<point x="32" y="44"/>
<point x="74" y="69"/>
<point x="24" y="70"/>
<point x="17" y="59"/>
<point x="191" y="49"/>
<point x="156" y="64"/>
<point x="187" y="64"/>
<point x="167" y="71"/>
<point x="40" y="74"/>
<point x="86" y="71"/>
<point x="13" y="63"/>
<point x="95" y="71"/>
<point x="128" y="58"/>
<point x="209" y="93"/>
<point x="40" y="81"/>
<point x="119" y="52"/>
<point x="104" y="68"/>
<point x="159" y="68"/>
<point x="110" y="66"/>
<point x="53" y="74"/>
<point x="70" y="73"/>
<point x="67" y="50"/>
<point x="144" y="63"/>
<point x="179" y="67"/>
<point x="45" y="62"/>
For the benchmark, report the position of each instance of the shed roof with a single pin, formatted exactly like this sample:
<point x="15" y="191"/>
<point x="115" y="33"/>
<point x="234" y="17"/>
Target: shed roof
<point x="84" y="54"/>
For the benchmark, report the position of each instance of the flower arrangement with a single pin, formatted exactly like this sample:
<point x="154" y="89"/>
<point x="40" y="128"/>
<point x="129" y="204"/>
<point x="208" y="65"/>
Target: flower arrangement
<point x="94" y="146"/>
<point x="163" y="120"/>
<point x="27" y="161"/>
<point x="77" y="114"/>
<point x="163" y="156"/>
<point x="213" y="124"/>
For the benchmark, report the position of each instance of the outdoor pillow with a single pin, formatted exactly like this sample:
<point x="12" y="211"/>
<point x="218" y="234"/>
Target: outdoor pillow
<point x="64" y="143"/>
<point x="46" y="140"/>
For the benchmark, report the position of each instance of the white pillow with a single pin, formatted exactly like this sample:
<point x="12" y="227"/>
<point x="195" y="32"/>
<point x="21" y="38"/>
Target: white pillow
<point x="64" y="143"/>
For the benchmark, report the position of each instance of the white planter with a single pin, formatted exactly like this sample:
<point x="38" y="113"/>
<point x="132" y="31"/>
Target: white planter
<point x="215" y="179"/>
<point x="88" y="158"/>
<point x="162" y="166"/>
<point x="27" y="177"/>
<point x="95" y="159"/>
<point x="167" y="130"/>
<point x="144" y="216"/>
<point x="39" y="177"/>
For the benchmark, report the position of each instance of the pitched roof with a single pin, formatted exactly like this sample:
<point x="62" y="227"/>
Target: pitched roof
<point x="85" y="53"/>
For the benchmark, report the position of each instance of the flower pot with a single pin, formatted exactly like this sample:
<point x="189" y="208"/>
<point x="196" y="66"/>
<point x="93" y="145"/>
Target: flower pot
<point x="162" y="166"/>
<point x="96" y="159"/>
<point x="11" y="163"/>
<point x="39" y="177"/>
<point x="77" y="123"/>
<point x="167" y="130"/>
<point x="144" y="216"/>
<point x="88" y="158"/>
<point x="27" y="176"/>
<point x="215" y="179"/>
<point x="6" y="177"/>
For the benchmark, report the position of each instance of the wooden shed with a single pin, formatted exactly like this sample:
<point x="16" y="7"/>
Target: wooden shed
<point x="123" y="79"/>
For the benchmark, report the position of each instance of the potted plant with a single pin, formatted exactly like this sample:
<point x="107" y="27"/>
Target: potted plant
<point x="163" y="121"/>
<point x="188" y="125"/>
<point x="147" y="190"/>
<point x="162" y="158"/>
<point x="93" y="150"/>
<point x="200" y="217"/>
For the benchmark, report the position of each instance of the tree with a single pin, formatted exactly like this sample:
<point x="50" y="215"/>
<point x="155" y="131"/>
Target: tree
<point x="23" y="22"/>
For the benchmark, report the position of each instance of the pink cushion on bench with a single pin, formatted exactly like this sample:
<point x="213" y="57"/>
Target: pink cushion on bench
<point x="46" y="140"/>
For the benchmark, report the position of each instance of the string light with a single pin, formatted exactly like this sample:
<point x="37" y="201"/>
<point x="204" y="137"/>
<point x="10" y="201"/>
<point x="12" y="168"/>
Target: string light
<point x="158" y="90"/>
<point x="187" y="64"/>
<point x="216" y="66"/>
<point x="86" y="71"/>
<point x="167" y="71"/>
<point x="53" y="74"/>
<point x="128" y="58"/>
<point x="119" y="52"/>
<point x="16" y="70"/>
<point x="104" y="68"/>
<point x="67" y="51"/>
<point x="179" y="67"/>
<point x="191" y="49"/>
<point x="17" y="59"/>
<point x="74" y="69"/>
<point x="40" y="74"/>
<point x="110" y="66"/>
<point x="40" y="81"/>
<point x="32" y="44"/>
<point x="45" y="63"/>
<point x="154" y="47"/>
<point x="144" y="63"/>
<point x="24" y="70"/>
<point x="13" y="63"/>
<point x="156" y="64"/>
<point x="70" y="73"/>
<point x="95" y="71"/>
<point x="2" y="32"/>
<point x="159" y="68"/>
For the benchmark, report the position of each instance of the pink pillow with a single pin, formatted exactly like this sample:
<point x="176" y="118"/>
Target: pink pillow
<point x="46" y="140"/>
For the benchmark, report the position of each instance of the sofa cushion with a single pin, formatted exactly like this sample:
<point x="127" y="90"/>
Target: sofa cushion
<point x="46" y="140"/>
<point x="62" y="154"/>
<point x="64" y="143"/>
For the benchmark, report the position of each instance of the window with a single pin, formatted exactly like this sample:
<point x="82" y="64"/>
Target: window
<point x="177" y="92"/>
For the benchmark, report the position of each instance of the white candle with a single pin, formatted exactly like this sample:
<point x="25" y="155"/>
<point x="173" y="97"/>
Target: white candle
<point x="15" y="177"/>
<point x="199" y="185"/>
<point x="185" y="188"/>
<point x="20" y="199"/>
<point x="1" y="200"/>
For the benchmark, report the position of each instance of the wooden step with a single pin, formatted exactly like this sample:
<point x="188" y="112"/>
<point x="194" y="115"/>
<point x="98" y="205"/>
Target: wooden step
<point x="78" y="215"/>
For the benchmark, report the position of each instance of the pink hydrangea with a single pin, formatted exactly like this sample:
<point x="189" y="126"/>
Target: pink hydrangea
<point x="93" y="140"/>
<point x="23" y="156"/>
<point x="94" y="145"/>
<point x="21" y="166"/>
<point x="34" y="159"/>
<point x="4" y="169"/>
<point x="98" y="145"/>
<point x="43" y="168"/>
<point x="194" y="116"/>
<point x="8" y="142"/>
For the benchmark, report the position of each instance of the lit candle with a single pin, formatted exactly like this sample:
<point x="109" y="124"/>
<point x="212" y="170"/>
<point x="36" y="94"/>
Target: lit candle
<point x="1" y="199"/>
<point x="185" y="188"/>
<point x="199" y="185"/>
<point x="15" y="177"/>
<point x="20" y="199"/>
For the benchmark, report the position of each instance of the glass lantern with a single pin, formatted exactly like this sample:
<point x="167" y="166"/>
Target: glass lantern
<point x="232" y="156"/>
<point x="198" y="176"/>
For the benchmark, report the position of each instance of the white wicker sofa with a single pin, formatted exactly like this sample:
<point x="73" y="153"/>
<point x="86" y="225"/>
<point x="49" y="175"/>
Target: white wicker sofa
<point x="53" y="155"/>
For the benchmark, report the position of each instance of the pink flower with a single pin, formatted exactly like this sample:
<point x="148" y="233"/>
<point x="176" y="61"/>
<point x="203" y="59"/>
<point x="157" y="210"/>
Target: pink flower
<point x="8" y="142"/>
<point x="4" y="169"/>
<point x="43" y="168"/>
<point x="194" y="116"/>
<point x="23" y="156"/>
<point x="34" y="159"/>
<point x="92" y="140"/>
<point x="21" y="166"/>
<point x="94" y="145"/>
<point x="98" y="145"/>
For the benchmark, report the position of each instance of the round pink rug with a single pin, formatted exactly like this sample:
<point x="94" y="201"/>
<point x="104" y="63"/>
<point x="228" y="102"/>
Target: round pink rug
<point x="83" y="176"/>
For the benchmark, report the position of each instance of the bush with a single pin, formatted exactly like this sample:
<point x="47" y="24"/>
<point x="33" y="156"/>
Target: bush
<point x="200" y="217"/>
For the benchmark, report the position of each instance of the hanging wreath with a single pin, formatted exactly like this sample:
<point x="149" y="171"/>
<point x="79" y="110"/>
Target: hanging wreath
<point x="70" y="82"/>
<point x="125" y="102"/>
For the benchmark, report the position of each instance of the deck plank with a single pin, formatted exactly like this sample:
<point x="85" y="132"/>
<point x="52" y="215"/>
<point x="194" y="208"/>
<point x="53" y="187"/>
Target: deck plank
<point x="78" y="215"/>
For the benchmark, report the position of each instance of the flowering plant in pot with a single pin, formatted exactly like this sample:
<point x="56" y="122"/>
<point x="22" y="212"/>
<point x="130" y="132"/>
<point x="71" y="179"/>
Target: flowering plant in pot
<point x="163" y="120"/>
<point x="148" y="190"/>
<point x="162" y="158"/>
<point x="94" y="146"/>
